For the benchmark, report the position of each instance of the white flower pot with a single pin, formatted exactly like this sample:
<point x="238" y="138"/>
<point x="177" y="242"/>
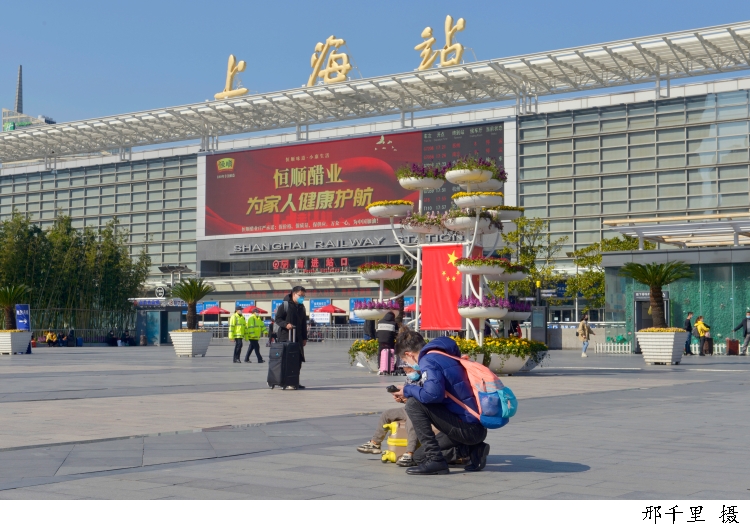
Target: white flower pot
<point x="479" y="201"/>
<point x="421" y="184"/>
<point x="191" y="344"/>
<point x="507" y="215"/>
<point x="521" y="316"/>
<point x="662" y="347"/>
<point x="479" y="269"/>
<point x="509" y="365"/>
<point x="482" y="312"/>
<point x="17" y="342"/>
<point x="390" y="210"/>
<point x="508" y="277"/>
<point x="382" y="274"/>
<point x="467" y="176"/>
<point x="371" y="314"/>
<point x="424" y="229"/>
<point x="371" y="364"/>
<point x="462" y="224"/>
<point x="490" y="185"/>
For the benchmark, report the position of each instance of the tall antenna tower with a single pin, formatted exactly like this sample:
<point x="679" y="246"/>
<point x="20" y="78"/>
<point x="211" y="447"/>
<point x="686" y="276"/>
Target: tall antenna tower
<point x="19" y="91"/>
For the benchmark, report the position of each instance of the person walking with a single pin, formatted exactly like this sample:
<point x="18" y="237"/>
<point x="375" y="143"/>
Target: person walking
<point x="237" y="332"/>
<point x="292" y="315"/>
<point x="584" y="334"/>
<point x="386" y="335"/>
<point x="254" y="328"/>
<point x="703" y="333"/>
<point x="745" y="326"/>
<point x="689" y="328"/>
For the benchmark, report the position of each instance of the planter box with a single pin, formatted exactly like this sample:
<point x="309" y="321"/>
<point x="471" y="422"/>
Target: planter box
<point x="467" y="176"/>
<point x="507" y="215"/>
<point x="508" y="277"/>
<point x="191" y="344"/>
<point x="371" y="314"/>
<point x="479" y="269"/>
<point x="390" y="210"/>
<point x="11" y="343"/>
<point x="421" y="184"/>
<point x="482" y="312"/>
<point x="479" y="201"/>
<point x="371" y="364"/>
<point x="424" y="229"/>
<point x="509" y="365"/>
<point x="382" y="274"/>
<point x="518" y="315"/>
<point x="662" y="348"/>
<point x="462" y="224"/>
<point x="490" y="185"/>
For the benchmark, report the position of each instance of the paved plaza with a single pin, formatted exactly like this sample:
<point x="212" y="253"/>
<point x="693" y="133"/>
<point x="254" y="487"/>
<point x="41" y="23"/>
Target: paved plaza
<point x="139" y="423"/>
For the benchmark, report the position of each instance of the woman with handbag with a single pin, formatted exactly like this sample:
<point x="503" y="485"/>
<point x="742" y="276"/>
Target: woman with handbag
<point x="705" y="336"/>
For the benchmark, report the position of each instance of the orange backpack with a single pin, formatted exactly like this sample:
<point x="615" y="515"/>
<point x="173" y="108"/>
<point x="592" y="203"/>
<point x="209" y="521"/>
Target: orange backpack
<point x="496" y="402"/>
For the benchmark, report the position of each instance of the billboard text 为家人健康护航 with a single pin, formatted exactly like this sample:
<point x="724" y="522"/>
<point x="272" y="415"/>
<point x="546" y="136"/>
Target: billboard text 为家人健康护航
<point x="328" y="185"/>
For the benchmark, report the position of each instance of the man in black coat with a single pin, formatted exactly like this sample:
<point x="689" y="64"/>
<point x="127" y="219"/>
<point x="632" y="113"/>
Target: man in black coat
<point x="689" y="328"/>
<point x="745" y="326"/>
<point x="292" y="314"/>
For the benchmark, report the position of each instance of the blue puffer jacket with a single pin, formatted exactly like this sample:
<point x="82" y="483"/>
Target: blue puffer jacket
<point x="441" y="374"/>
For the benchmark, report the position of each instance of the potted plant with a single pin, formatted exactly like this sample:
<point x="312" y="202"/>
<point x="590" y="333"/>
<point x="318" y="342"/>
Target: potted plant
<point x="464" y="220"/>
<point x="512" y="272"/>
<point x="660" y="344"/>
<point x="471" y="170"/>
<point x="505" y="355"/>
<point x="488" y="307"/>
<point x="486" y="265"/>
<point x="519" y="311"/>
<point x="508" y="213"/>
<point x="365" y="352"/>
<point x="419" y="177"/>
<point x="389" y="208"/>
<point x="478" y="199"/>
<point x="13" y="340"/>
<point x="381" y="271"/>
<point x="191" y="342"/>
<point x="423" y="223"/>
<point x="374" y="310"/>
<point x="398" y="287"/>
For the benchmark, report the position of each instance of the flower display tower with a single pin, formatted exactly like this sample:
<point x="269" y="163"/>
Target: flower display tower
<point x="479" y="210"/>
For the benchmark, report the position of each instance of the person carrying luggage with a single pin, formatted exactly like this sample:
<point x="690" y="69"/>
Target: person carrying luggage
<point x="386" y="334"/>
<point x="745" y="326"/>
<point x="430" y="404"/>
<point x="254" y="328"/>
<point x="237" y="332"/>
<point x="703" y="334"/>
<point x="291" y="314"/>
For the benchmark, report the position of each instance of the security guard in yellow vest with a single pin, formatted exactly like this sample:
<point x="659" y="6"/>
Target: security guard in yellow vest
<point x="237" y="331"/>
<point x="254" y="329"/>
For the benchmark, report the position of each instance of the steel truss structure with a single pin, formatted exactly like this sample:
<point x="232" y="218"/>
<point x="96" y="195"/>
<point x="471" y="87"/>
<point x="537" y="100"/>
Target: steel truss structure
<point x="712" y="230"/>
<point x="657" y="58"/>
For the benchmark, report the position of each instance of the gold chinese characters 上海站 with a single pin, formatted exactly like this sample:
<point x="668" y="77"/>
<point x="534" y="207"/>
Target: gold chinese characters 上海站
<point x="450" y="54"/>
<point x="233" y="68"/>
<point x="337" y="65"/>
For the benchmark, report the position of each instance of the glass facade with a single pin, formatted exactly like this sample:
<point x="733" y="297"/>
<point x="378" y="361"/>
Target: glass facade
<point x="154" y="200"/>
<point x="659" y="158"/>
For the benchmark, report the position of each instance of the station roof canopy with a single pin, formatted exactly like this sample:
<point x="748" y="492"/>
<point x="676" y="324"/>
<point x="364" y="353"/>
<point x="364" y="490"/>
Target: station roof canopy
<point x="688" y="232"/>
<point x="285" y="282"/>
<point x="677" y="55"/>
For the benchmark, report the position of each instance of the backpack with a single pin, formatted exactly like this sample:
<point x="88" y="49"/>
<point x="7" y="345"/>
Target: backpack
<point x="696" y="334"/>
<point x="496" y="402"/>
<point x="274" y="326"/>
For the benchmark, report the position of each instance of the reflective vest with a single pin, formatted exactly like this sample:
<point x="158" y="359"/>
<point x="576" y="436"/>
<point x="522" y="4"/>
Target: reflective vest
<point x="236" y="326"/>
<point x="254" y="328"/>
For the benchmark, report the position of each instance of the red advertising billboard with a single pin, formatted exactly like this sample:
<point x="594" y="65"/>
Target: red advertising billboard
<point x="326" y="185"/>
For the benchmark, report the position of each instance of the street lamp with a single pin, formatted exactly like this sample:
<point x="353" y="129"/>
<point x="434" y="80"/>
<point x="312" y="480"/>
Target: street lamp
<point x="573" y="255"/>
<point x="171" y="269"/>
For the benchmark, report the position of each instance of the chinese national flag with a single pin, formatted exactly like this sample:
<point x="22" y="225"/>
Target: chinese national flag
<point x="442" y="286"/>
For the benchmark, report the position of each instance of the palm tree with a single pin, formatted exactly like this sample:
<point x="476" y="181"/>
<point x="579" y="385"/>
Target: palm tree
<point x="192" y="291"/>
<point x="656" y="276"/>
<point x="10" y="295"/>
<point x="398" y="286"/>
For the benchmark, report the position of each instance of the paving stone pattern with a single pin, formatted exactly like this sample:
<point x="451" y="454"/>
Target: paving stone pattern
<point x="139" y="423"/>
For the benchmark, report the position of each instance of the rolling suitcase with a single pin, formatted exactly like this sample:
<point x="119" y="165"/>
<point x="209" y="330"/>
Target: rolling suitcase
<point x="283" y="364"/>
<point x="733" y="347"/>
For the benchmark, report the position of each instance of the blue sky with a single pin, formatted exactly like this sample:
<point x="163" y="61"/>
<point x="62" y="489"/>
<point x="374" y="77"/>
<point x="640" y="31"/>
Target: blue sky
<point x="86" y="59"/>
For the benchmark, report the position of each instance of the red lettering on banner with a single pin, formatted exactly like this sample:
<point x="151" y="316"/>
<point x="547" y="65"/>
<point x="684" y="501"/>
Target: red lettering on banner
<point x="314" y="263"/>
<point x="276" y="264"/>
<point x="329" y="262"/>
<point x="344" y="262"/>
<point x="284" y="263"/>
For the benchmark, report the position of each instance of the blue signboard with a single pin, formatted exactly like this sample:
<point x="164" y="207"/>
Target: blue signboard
<point x="275" y="305"/>
<point x="352" y="317"/>
<point x="317" y="303"/>
<point x="200" y="306"/>
<point x="408" y="300"/>
<point x="244" y="303"/>
<point x="23" y="317"/>
<point x="561" y="286"/>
